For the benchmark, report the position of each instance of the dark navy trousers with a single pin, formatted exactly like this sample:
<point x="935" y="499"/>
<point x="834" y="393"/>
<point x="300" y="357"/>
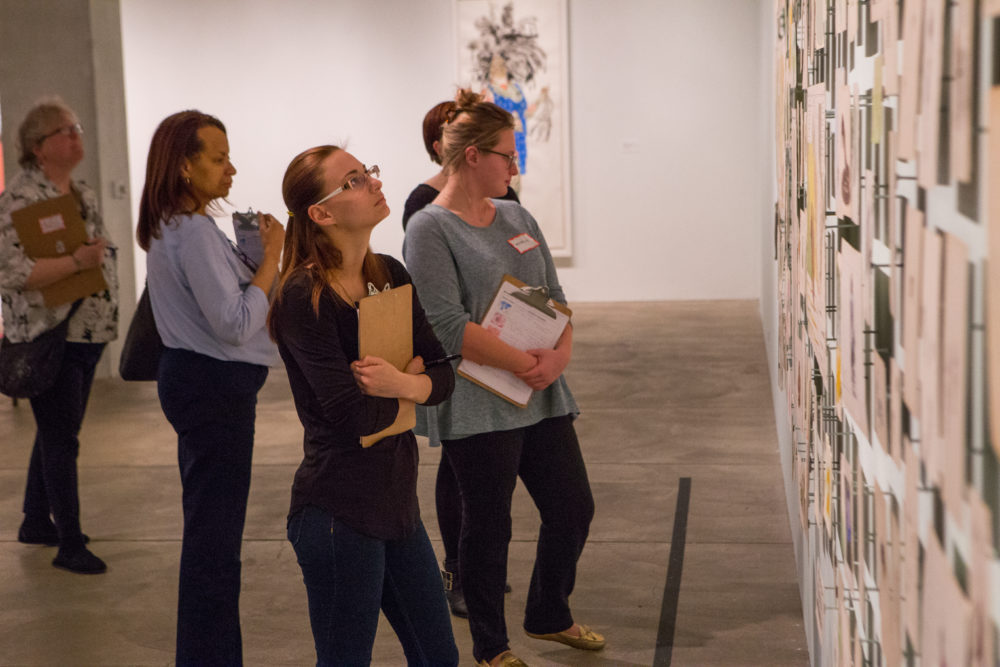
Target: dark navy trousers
<point x="212" y="406"/>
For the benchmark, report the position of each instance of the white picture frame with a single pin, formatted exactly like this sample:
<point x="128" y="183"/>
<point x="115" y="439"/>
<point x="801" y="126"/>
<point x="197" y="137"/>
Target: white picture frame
<point x="524" y="42"/>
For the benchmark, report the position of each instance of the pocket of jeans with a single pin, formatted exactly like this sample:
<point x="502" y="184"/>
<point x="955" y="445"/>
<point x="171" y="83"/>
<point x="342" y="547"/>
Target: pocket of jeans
<point x="293" y="529"/>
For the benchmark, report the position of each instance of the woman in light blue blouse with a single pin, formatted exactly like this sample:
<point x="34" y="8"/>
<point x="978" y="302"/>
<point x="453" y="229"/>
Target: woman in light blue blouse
<point x="210" y="304"/>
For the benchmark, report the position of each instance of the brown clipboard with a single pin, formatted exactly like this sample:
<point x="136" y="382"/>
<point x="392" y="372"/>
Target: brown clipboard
<point x="536" y="298"/>
<point x="50" y="229"/>
<point x="385" y="330"/>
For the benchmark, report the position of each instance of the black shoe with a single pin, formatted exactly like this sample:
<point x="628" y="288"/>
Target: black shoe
<point x="506" y="587"/>
<point x="81" y="561"/>
<point x="43" y="533"/>
<point x="456" y="602"/>
<point x="453" y="592"/>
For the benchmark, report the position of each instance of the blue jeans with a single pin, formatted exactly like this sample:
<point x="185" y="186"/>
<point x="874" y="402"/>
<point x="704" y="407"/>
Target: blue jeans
<point x="52" y="475"/>
<point x="212" y="406"/>
<point x="350" y="576"/>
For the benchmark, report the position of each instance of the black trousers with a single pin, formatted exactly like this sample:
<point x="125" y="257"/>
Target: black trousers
<point x="52" y="477"/>
<point x="448" y="503"/>
<point x="546" y="456"/>
<point x="212" y="406"/>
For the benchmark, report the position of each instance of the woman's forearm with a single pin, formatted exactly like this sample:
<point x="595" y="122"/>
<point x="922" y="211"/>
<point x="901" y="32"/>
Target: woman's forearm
<point x="416" y="388"/>
<point x="51" y="270"/>
<point x="483" y="347"/>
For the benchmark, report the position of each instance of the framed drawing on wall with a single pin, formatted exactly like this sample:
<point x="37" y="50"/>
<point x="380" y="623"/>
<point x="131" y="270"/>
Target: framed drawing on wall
<point x="515" y="53"/>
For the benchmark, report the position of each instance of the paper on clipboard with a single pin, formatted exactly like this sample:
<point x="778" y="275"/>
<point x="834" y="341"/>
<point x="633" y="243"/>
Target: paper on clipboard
<point x="385" y="330"/>
<point x="54" y="228"/>
<point x="522" y="320"/>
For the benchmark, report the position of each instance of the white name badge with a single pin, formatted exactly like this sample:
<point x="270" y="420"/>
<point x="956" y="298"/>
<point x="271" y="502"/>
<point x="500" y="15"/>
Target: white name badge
<point x="523" y="243"/>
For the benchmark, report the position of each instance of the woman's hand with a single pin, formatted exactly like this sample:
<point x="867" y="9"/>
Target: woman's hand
<point x="550" y="365"/>
<point x="90" y="255"/>
<point x="272" y="236"/>
<point x="416" y="366"/>
<point x="377" y="377"/>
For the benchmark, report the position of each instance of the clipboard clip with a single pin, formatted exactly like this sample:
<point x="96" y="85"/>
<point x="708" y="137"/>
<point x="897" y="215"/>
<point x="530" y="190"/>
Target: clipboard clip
<point x="372" y="290"/>
<point x="536" y="297"/>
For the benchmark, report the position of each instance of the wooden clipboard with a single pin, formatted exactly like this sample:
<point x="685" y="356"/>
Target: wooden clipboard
<point x="50" y="229"/>
<point x="515" y="305"/>
<point x="385" y="329"/>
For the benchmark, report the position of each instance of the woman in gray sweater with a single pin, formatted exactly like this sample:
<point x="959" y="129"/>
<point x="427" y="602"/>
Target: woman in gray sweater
<point x="457" y="250"/>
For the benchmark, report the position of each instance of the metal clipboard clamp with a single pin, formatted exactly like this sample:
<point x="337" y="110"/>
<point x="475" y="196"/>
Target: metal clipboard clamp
<point x="536" y="297"/>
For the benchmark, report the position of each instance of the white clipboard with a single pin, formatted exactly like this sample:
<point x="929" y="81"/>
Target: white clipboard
<point x="523" y="317"/>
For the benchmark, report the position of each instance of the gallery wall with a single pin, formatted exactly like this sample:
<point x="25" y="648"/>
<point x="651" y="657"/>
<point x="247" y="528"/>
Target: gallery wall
<point x="666" y="110"/>
<point x="880" y="313"/>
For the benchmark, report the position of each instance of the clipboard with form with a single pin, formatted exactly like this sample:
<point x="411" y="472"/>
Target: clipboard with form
<point x="523" y="317"/>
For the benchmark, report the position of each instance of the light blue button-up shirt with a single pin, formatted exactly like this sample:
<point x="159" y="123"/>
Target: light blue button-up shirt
<point x="202" y="297"/>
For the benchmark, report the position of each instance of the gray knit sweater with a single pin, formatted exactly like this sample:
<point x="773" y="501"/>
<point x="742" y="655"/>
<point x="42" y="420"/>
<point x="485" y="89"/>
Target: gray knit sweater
<point x="456" y="269"/>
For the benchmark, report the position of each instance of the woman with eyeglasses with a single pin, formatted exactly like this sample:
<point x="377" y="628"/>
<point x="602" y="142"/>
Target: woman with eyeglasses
<point x="457" y="249"/>
<point x="51" y="146"/>
<point x="424" y="194"/>
<point x="210" y="304"/>
<point x="354" y="521"/>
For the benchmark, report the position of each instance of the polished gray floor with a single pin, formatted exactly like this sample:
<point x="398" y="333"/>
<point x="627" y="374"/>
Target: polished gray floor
<point x="668" y="391"/>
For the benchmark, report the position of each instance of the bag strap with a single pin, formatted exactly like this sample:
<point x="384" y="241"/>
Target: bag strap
<point x="65" y="321"/>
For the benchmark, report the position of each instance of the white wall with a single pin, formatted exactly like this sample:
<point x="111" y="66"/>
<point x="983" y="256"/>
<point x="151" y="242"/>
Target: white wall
<point x="666" y="119"/>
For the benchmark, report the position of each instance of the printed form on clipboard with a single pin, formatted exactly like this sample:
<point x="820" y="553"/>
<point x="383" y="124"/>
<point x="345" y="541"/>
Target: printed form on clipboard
<point x="523" y="317"/>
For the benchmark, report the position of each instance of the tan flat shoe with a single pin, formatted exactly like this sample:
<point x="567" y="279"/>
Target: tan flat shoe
<point x="587" y="641"/>
<point x="508" y="660"/>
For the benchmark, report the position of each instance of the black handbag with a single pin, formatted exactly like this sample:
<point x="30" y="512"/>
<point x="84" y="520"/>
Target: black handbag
<point x="143" y="346"/>
<point x="27" y="369"/>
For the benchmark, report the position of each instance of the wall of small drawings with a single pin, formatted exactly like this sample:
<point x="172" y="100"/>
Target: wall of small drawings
<point x="887" y="142"/>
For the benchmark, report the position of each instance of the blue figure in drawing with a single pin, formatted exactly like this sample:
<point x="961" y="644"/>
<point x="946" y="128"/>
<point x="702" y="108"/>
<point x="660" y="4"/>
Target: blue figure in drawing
<point x="507" y="58"/>
<point x="509" y="96"/>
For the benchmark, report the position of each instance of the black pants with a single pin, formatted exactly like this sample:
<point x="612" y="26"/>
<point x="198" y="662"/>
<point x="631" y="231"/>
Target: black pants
<point x="212" y="406"/>
<point x="448" y="503"/>
<point x="52" y="477"/>
<point x="546" y="456"/>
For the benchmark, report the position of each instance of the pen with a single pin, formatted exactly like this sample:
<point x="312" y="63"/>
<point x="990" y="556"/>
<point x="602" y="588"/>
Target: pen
<point x="442" y="360"/>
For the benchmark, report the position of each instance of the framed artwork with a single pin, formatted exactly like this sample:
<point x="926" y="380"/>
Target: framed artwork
<point x="515" y="52"/>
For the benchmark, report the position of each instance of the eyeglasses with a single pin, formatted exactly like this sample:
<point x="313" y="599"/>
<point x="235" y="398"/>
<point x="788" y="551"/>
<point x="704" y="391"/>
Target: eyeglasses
<point x="510" y="157"/>
<point x="67" y="131"/>
<point x="355" y="182"/>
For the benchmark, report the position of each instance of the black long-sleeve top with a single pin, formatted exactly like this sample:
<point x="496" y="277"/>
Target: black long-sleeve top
<point x="373" y="490"/>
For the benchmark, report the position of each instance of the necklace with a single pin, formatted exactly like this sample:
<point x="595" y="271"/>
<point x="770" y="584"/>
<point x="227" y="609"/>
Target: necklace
<point x="345" y="293"/>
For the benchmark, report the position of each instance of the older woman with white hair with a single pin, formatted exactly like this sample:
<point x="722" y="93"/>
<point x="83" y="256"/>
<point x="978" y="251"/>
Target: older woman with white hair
<point x="51" y="147"/>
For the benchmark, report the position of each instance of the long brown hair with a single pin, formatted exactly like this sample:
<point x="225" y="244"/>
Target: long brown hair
<point x="307" y="249"/>
<point x="473" y="122"/>
<point x="165" y="194"/>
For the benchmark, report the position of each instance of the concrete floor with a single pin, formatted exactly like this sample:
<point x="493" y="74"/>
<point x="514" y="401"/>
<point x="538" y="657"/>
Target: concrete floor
<point x="667" y="390"/>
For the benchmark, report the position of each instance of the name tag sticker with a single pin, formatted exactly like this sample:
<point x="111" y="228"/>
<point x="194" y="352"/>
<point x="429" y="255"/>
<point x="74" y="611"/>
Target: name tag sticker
<point x="51" y="223"/>
<point x="523" y="243"/>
